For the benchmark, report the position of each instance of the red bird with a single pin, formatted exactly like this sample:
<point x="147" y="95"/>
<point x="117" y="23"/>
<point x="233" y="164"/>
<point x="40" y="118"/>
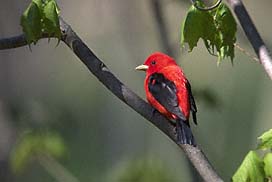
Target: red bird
<point x="168" y="91"/>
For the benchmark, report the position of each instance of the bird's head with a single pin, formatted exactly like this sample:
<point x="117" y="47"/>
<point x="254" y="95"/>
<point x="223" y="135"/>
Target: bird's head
<point x="155" y="62"/>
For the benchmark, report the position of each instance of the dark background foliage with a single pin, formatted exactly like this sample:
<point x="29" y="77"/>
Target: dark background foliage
<point x="48" y="89"/>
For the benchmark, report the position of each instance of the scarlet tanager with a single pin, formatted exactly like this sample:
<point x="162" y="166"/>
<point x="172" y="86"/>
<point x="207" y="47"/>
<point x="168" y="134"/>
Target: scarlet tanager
<point x="168" y="90"/>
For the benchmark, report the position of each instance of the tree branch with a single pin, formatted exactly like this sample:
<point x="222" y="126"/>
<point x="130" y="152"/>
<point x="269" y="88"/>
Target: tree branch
<point x="13" y="42"/>
<point x="100" y="70"/>
<point x="16" y="41"/>
<point x="161" y="26"/>
<point x="253" y="35"/>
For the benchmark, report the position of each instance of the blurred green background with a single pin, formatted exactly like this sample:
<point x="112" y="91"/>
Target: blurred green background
<point x="49" y="90"/>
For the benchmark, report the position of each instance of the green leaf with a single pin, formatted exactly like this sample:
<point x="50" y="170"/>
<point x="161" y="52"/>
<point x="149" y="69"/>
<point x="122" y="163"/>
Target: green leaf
<point x="53" y="145"/>
<point x="198" y="24"/>
<point x="41" y="17"/>
<point x="33" y="144"/>
<point x="266" y="140"/>
<point x="39" y="3"/>
<point x="227" y="28"/>
<point x="31" y="23"/>
<point x="22" y="153"/>
<point x="217" y="28"/>
<point x="51" y="19"/>
<point x="251" y="169"/>
<point x="268" y="165"/>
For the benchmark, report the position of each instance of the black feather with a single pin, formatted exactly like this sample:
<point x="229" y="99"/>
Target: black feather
<point x="192" y="101"/>
<point x="184" y="134"/>
<point x="164" y="91"/>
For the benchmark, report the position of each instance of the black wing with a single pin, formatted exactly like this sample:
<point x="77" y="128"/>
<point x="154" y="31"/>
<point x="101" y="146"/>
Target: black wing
<point x="192" y="102"/>
<point x="164" y="91"/>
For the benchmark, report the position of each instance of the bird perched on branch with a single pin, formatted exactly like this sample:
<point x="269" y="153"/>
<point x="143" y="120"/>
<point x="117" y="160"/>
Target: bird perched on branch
<point x="168" y="90"/>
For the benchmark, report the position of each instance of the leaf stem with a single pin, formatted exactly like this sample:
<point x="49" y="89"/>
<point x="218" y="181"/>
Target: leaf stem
<point x="194" y="2"/>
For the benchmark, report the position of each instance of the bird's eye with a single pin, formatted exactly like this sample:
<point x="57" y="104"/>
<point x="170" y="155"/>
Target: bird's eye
<point x="153" y="62"/>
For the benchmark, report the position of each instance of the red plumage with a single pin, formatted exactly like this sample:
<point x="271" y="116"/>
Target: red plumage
<point x="168" y="90"/>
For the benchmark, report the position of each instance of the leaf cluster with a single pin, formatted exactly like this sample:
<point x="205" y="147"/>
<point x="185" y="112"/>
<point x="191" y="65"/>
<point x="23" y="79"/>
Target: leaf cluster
<point x="217" y="28"/>
<point x="41" y="17"/>
<point x="255" y="167"/>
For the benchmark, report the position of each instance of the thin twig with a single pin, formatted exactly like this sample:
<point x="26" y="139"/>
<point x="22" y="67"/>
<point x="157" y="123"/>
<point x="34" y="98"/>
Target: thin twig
<point x="100" y="70"/>
<point x="253" y="35"/>
<point x="246" y="52"/>
<point x="55" y="169"/>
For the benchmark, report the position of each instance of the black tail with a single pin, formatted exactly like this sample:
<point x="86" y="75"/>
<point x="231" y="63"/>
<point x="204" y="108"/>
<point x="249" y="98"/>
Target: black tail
<point x="184" y="133"/>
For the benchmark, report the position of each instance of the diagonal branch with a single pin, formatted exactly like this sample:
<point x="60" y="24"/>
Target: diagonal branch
<point x="161" y="26"/>
<point x="17" y="41"/>
<point x="100" y="70"/>
<point x="13" y="42"/>
<point x="253" y="35"/>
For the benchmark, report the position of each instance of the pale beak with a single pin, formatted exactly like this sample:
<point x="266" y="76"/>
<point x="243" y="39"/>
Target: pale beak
<point x="141" y="67"/>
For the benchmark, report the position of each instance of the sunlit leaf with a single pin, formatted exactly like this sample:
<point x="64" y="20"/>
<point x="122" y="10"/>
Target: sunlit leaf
<point x="251" y="169"/>
<point x="53" y="145"/>
<point x="268" y="165"/>
<point x="266" y="140"/>
<point x="22" y="152"/>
